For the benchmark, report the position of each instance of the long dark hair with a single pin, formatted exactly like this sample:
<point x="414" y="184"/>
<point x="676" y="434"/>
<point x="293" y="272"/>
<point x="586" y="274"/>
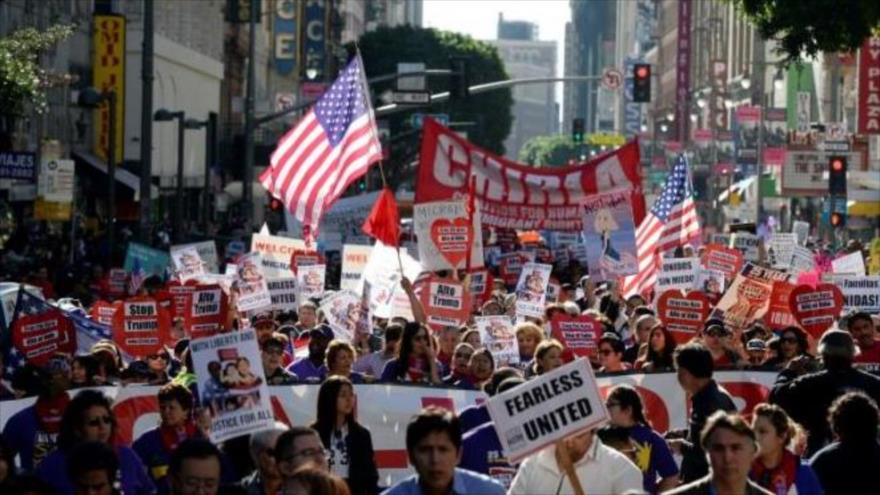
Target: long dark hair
<point x="628" y="397"/>
<point x="74" y="415"/>
<point x="406" y="346"/>
<point x="664" y="358"/>
<point x="327" y="395"/>
<point x="803" y="346"/>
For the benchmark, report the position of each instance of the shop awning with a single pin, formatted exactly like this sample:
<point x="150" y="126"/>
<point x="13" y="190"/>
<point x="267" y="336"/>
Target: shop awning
<point x="864" y="208"/>
<point x="122" y="175"/>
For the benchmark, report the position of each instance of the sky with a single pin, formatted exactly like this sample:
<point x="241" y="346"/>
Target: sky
<point x="479" y="18"/>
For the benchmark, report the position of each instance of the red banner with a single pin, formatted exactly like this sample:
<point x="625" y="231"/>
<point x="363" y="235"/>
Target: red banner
<point x="518" y="196"/>
<point x="141" y="326"/>
<point x="38" y="337"/>
<point x="778" y="314"/>
<point x="206" y="312"/>
<point x="869" y="87"/>
<point x="579" y="334"/>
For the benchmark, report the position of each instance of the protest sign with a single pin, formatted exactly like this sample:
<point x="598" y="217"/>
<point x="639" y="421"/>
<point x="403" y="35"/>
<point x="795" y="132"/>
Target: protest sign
<point x="282" y="292"/>
<point x="579" y="253"/>
<point x="683" y="314"/>
<point x="552" y="406"/>
<point x="187" y="263"/>
<point x="778" y="315"/>
<point x="383" y="274"/>
<point x="346" y="314"/>
<point x="531" y="290"/>
<point x="727" y="260"/>
<point x="497" y="335"/>
<point x="253" y="291"/>
<point x="229" y="377"/>
<point x="511" y="264"/>
<point x="815" y="308"/>
<point x="851" y="264"/>
<point x="207" y="252"/>
<point x="780" y="248"/>
<point x="609" y="236"/>
<point x="102" y="311"/>
<point x="310" y="282"/>
<point x="178" y="293"/>
<point x="747" y="244"/>
<point x="801" y="230"/>
<point x="802" y="260"/>
<point x="481" y="287"/>
<point x="859" y="293"/>
<point x="677" y="273"/>
<point x="720" y="239"/>
<point x="37" y="337"/>
<point x="445" y="235"/>
<point x="305" y="257"/>
<point x="151" y="261"/>
<point x="141" y="326"/>
<point x="117" y="282"/>
<point x="354" y="259"/>
<point x="206" y="312"/>
<point x="710" y="281"/>
<point x="444" y="301"/>
<point x="747" y="297"/>
<point x="578" y="334"/>
<point x="275" y="253"/>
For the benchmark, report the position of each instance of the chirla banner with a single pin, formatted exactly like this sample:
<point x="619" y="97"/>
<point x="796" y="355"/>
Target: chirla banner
<point x="229" y="374"/>
<point x="748" y="297"/>
<point x="609" y="236"/>
<point x="187" y="263"/>
<point x="531" y="290"/>
<point x="497" y="335"/>
<point x="141" y="326"/>
<point x="683" y="314"/>
<point x="518" y="196"/>
<point x="579" y="334"/>
<point x="354" y="259"/>
<point x="445" y="302"/>
<point x="282" y="291"/>
<point x="346" y="314"/>
<point x="206" y="312"/>
<point x="253" y="291"/>
<point x="677" y="273"/>
<point x="310" y="282"/>
<point x="446" y="237"/>
<point x="275" y="253"/>
<point x="547" y="409"/>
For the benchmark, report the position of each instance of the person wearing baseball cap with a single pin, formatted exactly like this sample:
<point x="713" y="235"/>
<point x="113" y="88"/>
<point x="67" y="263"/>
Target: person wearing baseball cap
<point x="272" y="351"/>
<point x="807" y="397"/>
<point x="312" y="368"/>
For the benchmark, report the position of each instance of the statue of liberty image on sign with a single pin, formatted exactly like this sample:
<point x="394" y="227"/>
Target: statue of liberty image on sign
<point x="609" y="236"/>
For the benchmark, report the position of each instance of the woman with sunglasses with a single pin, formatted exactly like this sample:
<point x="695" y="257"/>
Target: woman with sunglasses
<point x="415" y="360"/>
<point x="159" y="366"/>
<point x="89" y="418"/>
<point x="652" y="455"/>
<point x="793" y="344"/>
<point x="349" y="444"/>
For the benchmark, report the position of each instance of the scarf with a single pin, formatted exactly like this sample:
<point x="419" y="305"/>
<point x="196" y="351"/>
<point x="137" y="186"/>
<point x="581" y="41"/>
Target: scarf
<point x="49" y="412"/>
<point x="779" y="479"/>
<point x="173" y="436"/>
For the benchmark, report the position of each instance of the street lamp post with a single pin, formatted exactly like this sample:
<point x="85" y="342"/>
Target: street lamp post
<point x="163" y="115"/>
<point x="91" y="97"/>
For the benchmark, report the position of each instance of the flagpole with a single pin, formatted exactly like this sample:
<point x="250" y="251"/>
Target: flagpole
<point x="385" y="186"/>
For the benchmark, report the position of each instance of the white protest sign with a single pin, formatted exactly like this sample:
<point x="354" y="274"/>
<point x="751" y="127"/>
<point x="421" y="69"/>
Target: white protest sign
<point x="282" y="290"/>
<point x="253" y="292"/>
<point x="497" y="335"/>
<point x="187" y="263"/>
<point x="444" y="235"/>
<point x="230" y="380"/>
<point x="859" y="292"/>
<point x="779" y="249"/>
<point x="383" y="275"/>
<point x="747" y="244"/>
<point x="310" y="282"/>
<point x="346" y="315"/>
<point x="207" y="251"/>
<point x="710" y="281"/>
<point x="722" y="239"/>
<point x="531" y="290"/>
<point x="677" y="273"/>
<point x="852" y="264"/>
<point x="546" y="409"/>
<point x="801" y="230"/>
<point x="354" y="260"/>
<point x="802" y="260"/>
<point x="276" y="253"/>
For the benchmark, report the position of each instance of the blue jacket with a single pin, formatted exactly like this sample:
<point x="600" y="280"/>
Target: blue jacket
<point x="481" y="452"/>
<point x="472" y="417"/>
<point x="133" y="474"/>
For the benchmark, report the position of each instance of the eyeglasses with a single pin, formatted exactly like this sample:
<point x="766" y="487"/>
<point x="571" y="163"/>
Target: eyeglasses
<point x="158" y="356"/>
<point x="107" y="420"/>
<point x="313" y="453"/>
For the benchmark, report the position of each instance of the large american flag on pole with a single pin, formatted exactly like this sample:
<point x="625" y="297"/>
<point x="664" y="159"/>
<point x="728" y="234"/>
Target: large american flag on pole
<point x="332" y="146"/>
<point x="672" y="222"/>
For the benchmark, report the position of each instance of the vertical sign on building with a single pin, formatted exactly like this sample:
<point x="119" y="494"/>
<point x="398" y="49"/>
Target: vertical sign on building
<point x="869" y="87"/>
<point x="108" y="74"/>
<point x="285" y="37"/>
<point x="683" y="69"/>
<point x="315" y="35"/>
<point x="632" y="111"/>
<point x="718" y="109"/>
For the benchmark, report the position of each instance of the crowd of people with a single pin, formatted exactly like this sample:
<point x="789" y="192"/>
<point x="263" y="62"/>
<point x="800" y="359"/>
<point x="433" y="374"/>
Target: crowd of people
<point x="816" y="432"/>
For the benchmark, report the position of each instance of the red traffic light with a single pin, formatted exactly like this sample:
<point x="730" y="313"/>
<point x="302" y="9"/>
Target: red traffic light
<point x="275" y="205"/>
<point x="836" y="219"/>
<point x="642" y="72"/>
<point x="837" y="164"/>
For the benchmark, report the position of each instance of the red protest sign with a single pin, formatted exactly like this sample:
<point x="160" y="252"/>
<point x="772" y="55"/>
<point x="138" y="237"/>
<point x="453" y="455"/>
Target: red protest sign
<point x="37" y="337"/>
<point x="579" y="334"/>
<point x="176" y="296"/>
<point x="206" y="311"/>
<point x="304" y="257"/>
<point x="453" y="238"/>
<point x="683" y="314"/>
<point x="102" y="311"/>
<point x="815" y="308"/>
<point x="725" y="259"/>
<point x="482" y="283"/>
<point x="778" y="315"/>
<point x="141" y="326"/>
<point x="118" y="282"/>
<point x="445" y="301"/>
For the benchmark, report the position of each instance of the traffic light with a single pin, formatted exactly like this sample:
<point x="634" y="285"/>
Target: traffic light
<point x="459" y="84"/>
<point x="838" y="219"/>
<point x="578" y="126"/>
<point x="837" y="176"/>
<point x="641" y="83"/>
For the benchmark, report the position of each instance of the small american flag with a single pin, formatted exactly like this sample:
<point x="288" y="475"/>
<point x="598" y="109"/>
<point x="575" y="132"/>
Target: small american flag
<point x="672" y="222"/>
<point x="331" y="147"/>
<point x="136" y="277"/>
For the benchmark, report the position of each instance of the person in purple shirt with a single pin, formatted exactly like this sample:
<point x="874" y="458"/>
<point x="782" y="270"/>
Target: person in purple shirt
<point x="312" y="368"/>
<point x="477" y="415"/>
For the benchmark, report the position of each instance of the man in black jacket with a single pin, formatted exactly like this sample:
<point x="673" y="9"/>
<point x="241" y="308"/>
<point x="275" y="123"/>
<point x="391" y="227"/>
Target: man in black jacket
<point x="693" y="363"/>
<point x="807" y="398"/>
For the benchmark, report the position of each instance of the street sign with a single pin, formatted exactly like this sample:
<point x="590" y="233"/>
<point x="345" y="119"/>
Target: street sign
<point x="612" y="79"/>
<point x="417" y="119"/>
<point x="411" y="83"/>
<point x="411" y="97"/>
<point x="19" y="165"/>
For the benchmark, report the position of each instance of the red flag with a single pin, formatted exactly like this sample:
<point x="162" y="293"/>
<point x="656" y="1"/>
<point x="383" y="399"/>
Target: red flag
<point x="383" y="223"/>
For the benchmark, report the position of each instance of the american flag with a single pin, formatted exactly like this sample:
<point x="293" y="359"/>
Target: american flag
<point x="331" y="147"/>
<point x="672" y="222"/>
<point x="136" y="277"/>
<point x="25" y="304"/>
